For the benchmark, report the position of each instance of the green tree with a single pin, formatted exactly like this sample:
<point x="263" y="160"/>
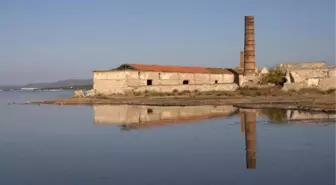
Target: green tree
<point x="275" y="76"/>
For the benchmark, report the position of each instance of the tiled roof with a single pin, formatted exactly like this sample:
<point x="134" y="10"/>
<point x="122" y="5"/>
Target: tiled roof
<point x="179" y="69"/>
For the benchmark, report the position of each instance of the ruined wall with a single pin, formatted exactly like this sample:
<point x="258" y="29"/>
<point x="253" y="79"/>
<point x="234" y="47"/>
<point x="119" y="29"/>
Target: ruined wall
<point x="180" y="88"/>
<point x="307" y="65"/>
<point x="110" y="82"/>
<point x="301" y="75"/>
<point x="249" y="81"/>
<point x="322" y="78"/>
<point x="332" y="72"/>
<point x="130" y="114"/>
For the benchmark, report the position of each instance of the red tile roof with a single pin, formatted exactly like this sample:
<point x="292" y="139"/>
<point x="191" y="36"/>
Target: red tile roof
<point x="179" y="69"/>
<point x="163" y="68"/>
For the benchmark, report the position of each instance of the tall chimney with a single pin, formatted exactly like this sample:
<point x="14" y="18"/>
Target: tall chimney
<point x="241" y="60"/>
<point x="249" y="48"/>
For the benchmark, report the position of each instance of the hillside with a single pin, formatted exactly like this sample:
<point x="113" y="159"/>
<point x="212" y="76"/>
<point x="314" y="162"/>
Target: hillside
<point x="61" y="83"/>
<point x="80" y="83"/>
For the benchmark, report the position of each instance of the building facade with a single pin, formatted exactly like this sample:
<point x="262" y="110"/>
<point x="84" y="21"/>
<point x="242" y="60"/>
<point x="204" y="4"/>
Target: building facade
<point x="158" y="78"/>
<point x="309" y="75"/>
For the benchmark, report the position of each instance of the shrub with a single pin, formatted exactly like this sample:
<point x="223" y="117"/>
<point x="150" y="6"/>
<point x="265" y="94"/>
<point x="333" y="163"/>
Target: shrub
<point x="276" y="76"/>
<point x="275" y="114"/>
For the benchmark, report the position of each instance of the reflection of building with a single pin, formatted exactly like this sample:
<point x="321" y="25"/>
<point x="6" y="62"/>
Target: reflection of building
<point x="304" y="115"/>
<point x="295" y="115"/>
<point x="144" y="116"/>
<point x="248" y="125"/>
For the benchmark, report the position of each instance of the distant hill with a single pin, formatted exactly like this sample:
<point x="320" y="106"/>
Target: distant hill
<point x="5" y="87"/>
<point x="58" y="84"/>
<point x="61" y="83"/>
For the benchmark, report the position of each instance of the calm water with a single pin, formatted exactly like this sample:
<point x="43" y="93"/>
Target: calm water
<point x="79" y="145"/>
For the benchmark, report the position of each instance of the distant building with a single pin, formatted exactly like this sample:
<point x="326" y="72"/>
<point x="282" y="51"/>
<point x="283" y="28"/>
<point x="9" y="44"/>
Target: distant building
<point x="29" y="89"/>
<point x="160" y="78"/>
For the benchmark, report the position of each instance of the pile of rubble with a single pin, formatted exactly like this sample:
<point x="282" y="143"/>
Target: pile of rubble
<point x="82" y="94"/>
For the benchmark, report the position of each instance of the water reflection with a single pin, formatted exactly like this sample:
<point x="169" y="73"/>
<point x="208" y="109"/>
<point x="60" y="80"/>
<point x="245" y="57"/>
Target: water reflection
<point x="283" y="115"/>
<point x="248" y="120"/>
<point x="134" y="117"/>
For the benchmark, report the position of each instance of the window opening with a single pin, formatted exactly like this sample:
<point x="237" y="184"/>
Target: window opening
<point x="149" y="111"/>
<point x="149" y="82"/>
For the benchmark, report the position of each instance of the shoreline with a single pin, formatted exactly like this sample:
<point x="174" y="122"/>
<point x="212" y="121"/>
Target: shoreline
<point x="324" y="103"/>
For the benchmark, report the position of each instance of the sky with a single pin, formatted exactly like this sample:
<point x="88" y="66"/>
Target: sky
<point x="50" y="40"/>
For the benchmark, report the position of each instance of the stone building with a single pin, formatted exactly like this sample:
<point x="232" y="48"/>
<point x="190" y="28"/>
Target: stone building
<point x="309" y="74"/>
<point x="160" y="78"/>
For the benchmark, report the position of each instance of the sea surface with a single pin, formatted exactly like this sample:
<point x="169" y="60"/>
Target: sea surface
<point x="127" y="145"/>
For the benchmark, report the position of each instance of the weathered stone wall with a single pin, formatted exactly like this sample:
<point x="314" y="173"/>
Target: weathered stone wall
<point x="303" y="74"/>
<point x="130" y="114"/>
<point x="249" y="81"/>
<point x="179" y="88"/>
<point x="110" y="82"/>
<point x="310" y="75"/>
<point x="327" y="83"/>
<point x="332" y="72"/>
<point x="307" y="65"/>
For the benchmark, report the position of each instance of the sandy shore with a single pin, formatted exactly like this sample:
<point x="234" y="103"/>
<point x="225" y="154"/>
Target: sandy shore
<point x="296" y="101"/>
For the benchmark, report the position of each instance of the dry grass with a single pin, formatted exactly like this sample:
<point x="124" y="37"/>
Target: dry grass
<point x="274" y="91"/>
<point x="243" y="91"/>
<point x="252" y="91"/>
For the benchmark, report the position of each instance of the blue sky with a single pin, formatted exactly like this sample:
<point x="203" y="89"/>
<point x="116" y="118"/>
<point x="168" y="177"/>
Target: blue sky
<point x="48" y="40"/>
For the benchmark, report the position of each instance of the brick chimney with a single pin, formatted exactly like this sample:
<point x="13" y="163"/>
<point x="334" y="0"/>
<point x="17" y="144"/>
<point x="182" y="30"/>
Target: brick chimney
<point x="249" y="47"/>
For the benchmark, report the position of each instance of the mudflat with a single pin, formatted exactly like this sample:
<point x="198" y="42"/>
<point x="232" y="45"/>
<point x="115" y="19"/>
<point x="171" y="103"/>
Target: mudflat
<point x="306" y="99"/>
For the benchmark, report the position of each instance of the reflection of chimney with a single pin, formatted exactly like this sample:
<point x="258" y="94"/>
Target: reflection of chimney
<point x="241" y="58"/>
<point x="242" y="123"/>
<point x="249" y="47"/>
<point x="249" y="119"/>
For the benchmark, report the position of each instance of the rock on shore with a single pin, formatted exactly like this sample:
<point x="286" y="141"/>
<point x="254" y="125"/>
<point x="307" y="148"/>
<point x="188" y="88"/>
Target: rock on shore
<point x="82" y="94"/>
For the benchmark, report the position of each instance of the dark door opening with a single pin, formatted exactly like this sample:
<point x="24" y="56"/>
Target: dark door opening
<point x="185" y="82"/>
<point x="216" y="81"/>
<point x="149" y="82"/>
